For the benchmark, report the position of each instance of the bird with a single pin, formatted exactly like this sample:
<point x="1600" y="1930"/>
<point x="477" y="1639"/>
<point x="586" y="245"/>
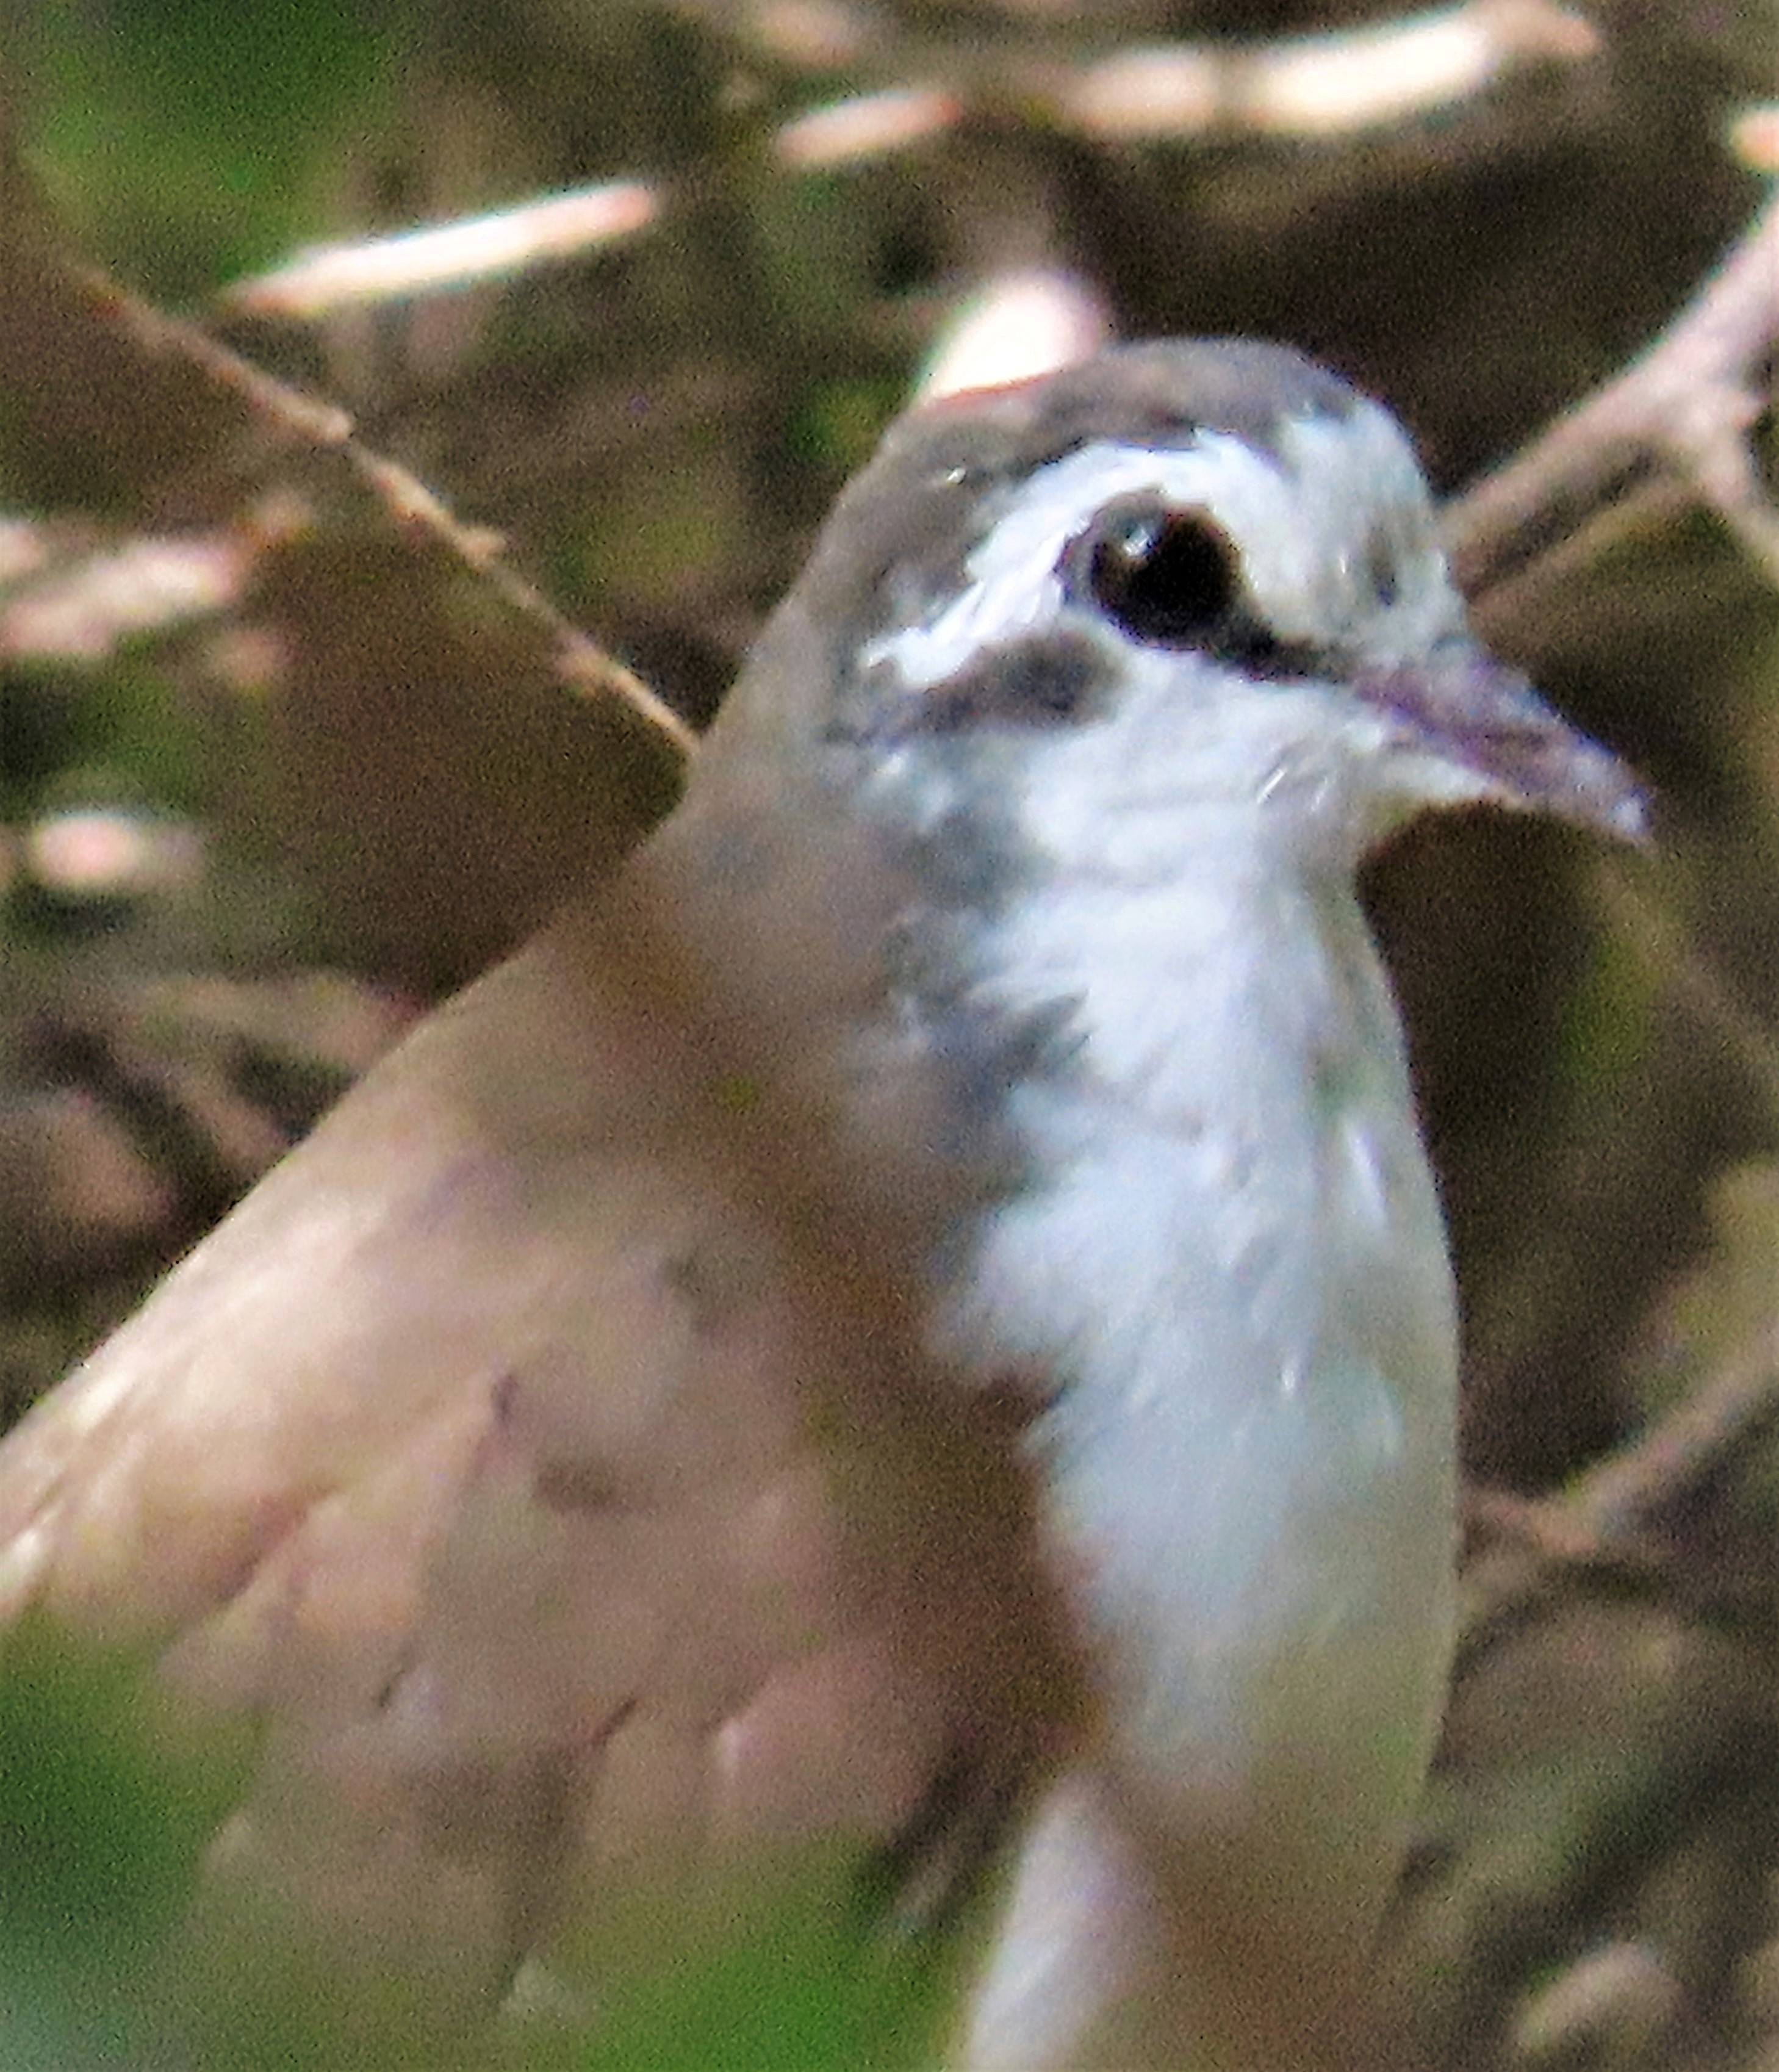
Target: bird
<point x="910" y="1328"/>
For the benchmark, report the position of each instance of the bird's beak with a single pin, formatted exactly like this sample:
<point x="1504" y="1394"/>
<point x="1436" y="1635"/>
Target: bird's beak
<point x="1461" y="704"/>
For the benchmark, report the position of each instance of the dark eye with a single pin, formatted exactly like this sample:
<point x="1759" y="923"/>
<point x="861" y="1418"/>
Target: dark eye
<point x="1168" y="578"/>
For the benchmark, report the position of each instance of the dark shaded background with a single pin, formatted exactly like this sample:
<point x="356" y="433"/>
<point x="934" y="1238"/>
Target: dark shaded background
<point x="362" y="778"/>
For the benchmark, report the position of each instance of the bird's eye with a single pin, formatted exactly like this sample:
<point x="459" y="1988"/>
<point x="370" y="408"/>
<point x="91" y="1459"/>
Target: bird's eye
<point x="1168" y="578"/>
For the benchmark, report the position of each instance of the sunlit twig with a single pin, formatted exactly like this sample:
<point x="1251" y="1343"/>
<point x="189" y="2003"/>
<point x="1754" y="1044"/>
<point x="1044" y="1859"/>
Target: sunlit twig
<point x="1338" y="84"/>
<point x="406" y="498"/>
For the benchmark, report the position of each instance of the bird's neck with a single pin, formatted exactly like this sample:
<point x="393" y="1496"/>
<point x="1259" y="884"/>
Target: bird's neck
<point x="1155" y="1144"/>
<point x="1159" y="1139"/>
<point x="1221" y="1257"/>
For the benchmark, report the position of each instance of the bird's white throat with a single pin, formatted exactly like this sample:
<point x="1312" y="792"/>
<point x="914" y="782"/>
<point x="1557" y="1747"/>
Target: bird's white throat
<point x="1223" y="1251"/>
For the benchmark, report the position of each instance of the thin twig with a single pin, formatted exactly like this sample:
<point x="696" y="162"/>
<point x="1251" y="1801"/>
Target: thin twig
<point x="1686" y="405"/>
<point x="1606" y="1514"/>
<point x="1332" y="83"/>
<point x="1322" y="87"/>
<point x="410" y="504"/>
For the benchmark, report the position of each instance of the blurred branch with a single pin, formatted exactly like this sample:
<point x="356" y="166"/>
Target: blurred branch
<point x="482" y="248"/>
<point x="65" y="596"/>
<point x="570" y="225"/>
<point x="1754" y="138"/>
<point x="1606" y="1514"/>
<point x="1332" y="85"/>
<point x="1325" y="86"/>
<point x="1680" y="416"/>
<point x="410" y="505"/>
<point x="1021" y="323"/>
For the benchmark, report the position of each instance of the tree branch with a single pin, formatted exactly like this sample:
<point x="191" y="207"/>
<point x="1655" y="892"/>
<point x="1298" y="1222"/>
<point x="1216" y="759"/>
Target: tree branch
<point x="1685" y="408"/>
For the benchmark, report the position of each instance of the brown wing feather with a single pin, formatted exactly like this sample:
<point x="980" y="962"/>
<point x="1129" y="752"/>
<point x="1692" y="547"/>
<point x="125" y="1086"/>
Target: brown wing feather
<point x="489" y="1452"/>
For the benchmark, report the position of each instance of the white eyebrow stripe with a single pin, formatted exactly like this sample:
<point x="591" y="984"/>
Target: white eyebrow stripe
<point x="1012" y="571"/>
<point x="1304" y="558"/>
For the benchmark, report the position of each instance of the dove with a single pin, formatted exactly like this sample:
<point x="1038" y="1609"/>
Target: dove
<point x="908" y="1336"/>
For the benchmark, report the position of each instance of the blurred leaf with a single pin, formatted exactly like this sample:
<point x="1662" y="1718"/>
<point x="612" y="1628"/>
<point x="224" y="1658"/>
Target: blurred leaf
<point x="108" y="1798"/>
<point x="810" y="1988"/>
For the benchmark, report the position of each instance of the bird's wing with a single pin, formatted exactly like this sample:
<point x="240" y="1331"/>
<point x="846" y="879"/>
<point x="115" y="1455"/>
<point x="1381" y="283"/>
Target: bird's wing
<point x="500" y="1453"/>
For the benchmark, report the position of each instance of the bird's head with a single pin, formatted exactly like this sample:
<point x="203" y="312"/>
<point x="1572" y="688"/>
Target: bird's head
<point x="1198" y="577"/>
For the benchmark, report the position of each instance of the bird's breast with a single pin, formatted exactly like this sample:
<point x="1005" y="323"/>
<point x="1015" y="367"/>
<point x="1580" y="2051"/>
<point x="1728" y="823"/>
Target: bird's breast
<point x="1222" y="1254"/>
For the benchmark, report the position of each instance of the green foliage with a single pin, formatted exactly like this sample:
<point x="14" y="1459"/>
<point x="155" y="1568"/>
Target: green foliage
<point x="124" y="736"/>
<point x="107" y="1801"/>
<point x="110" y="1792"/>
<point x="808" y="1989"/>
<point x="190" y="142"/>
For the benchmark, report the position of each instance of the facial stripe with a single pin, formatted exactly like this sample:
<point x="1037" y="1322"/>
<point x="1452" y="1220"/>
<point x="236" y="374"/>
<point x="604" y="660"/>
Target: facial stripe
<point x="1320" y="575"/>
